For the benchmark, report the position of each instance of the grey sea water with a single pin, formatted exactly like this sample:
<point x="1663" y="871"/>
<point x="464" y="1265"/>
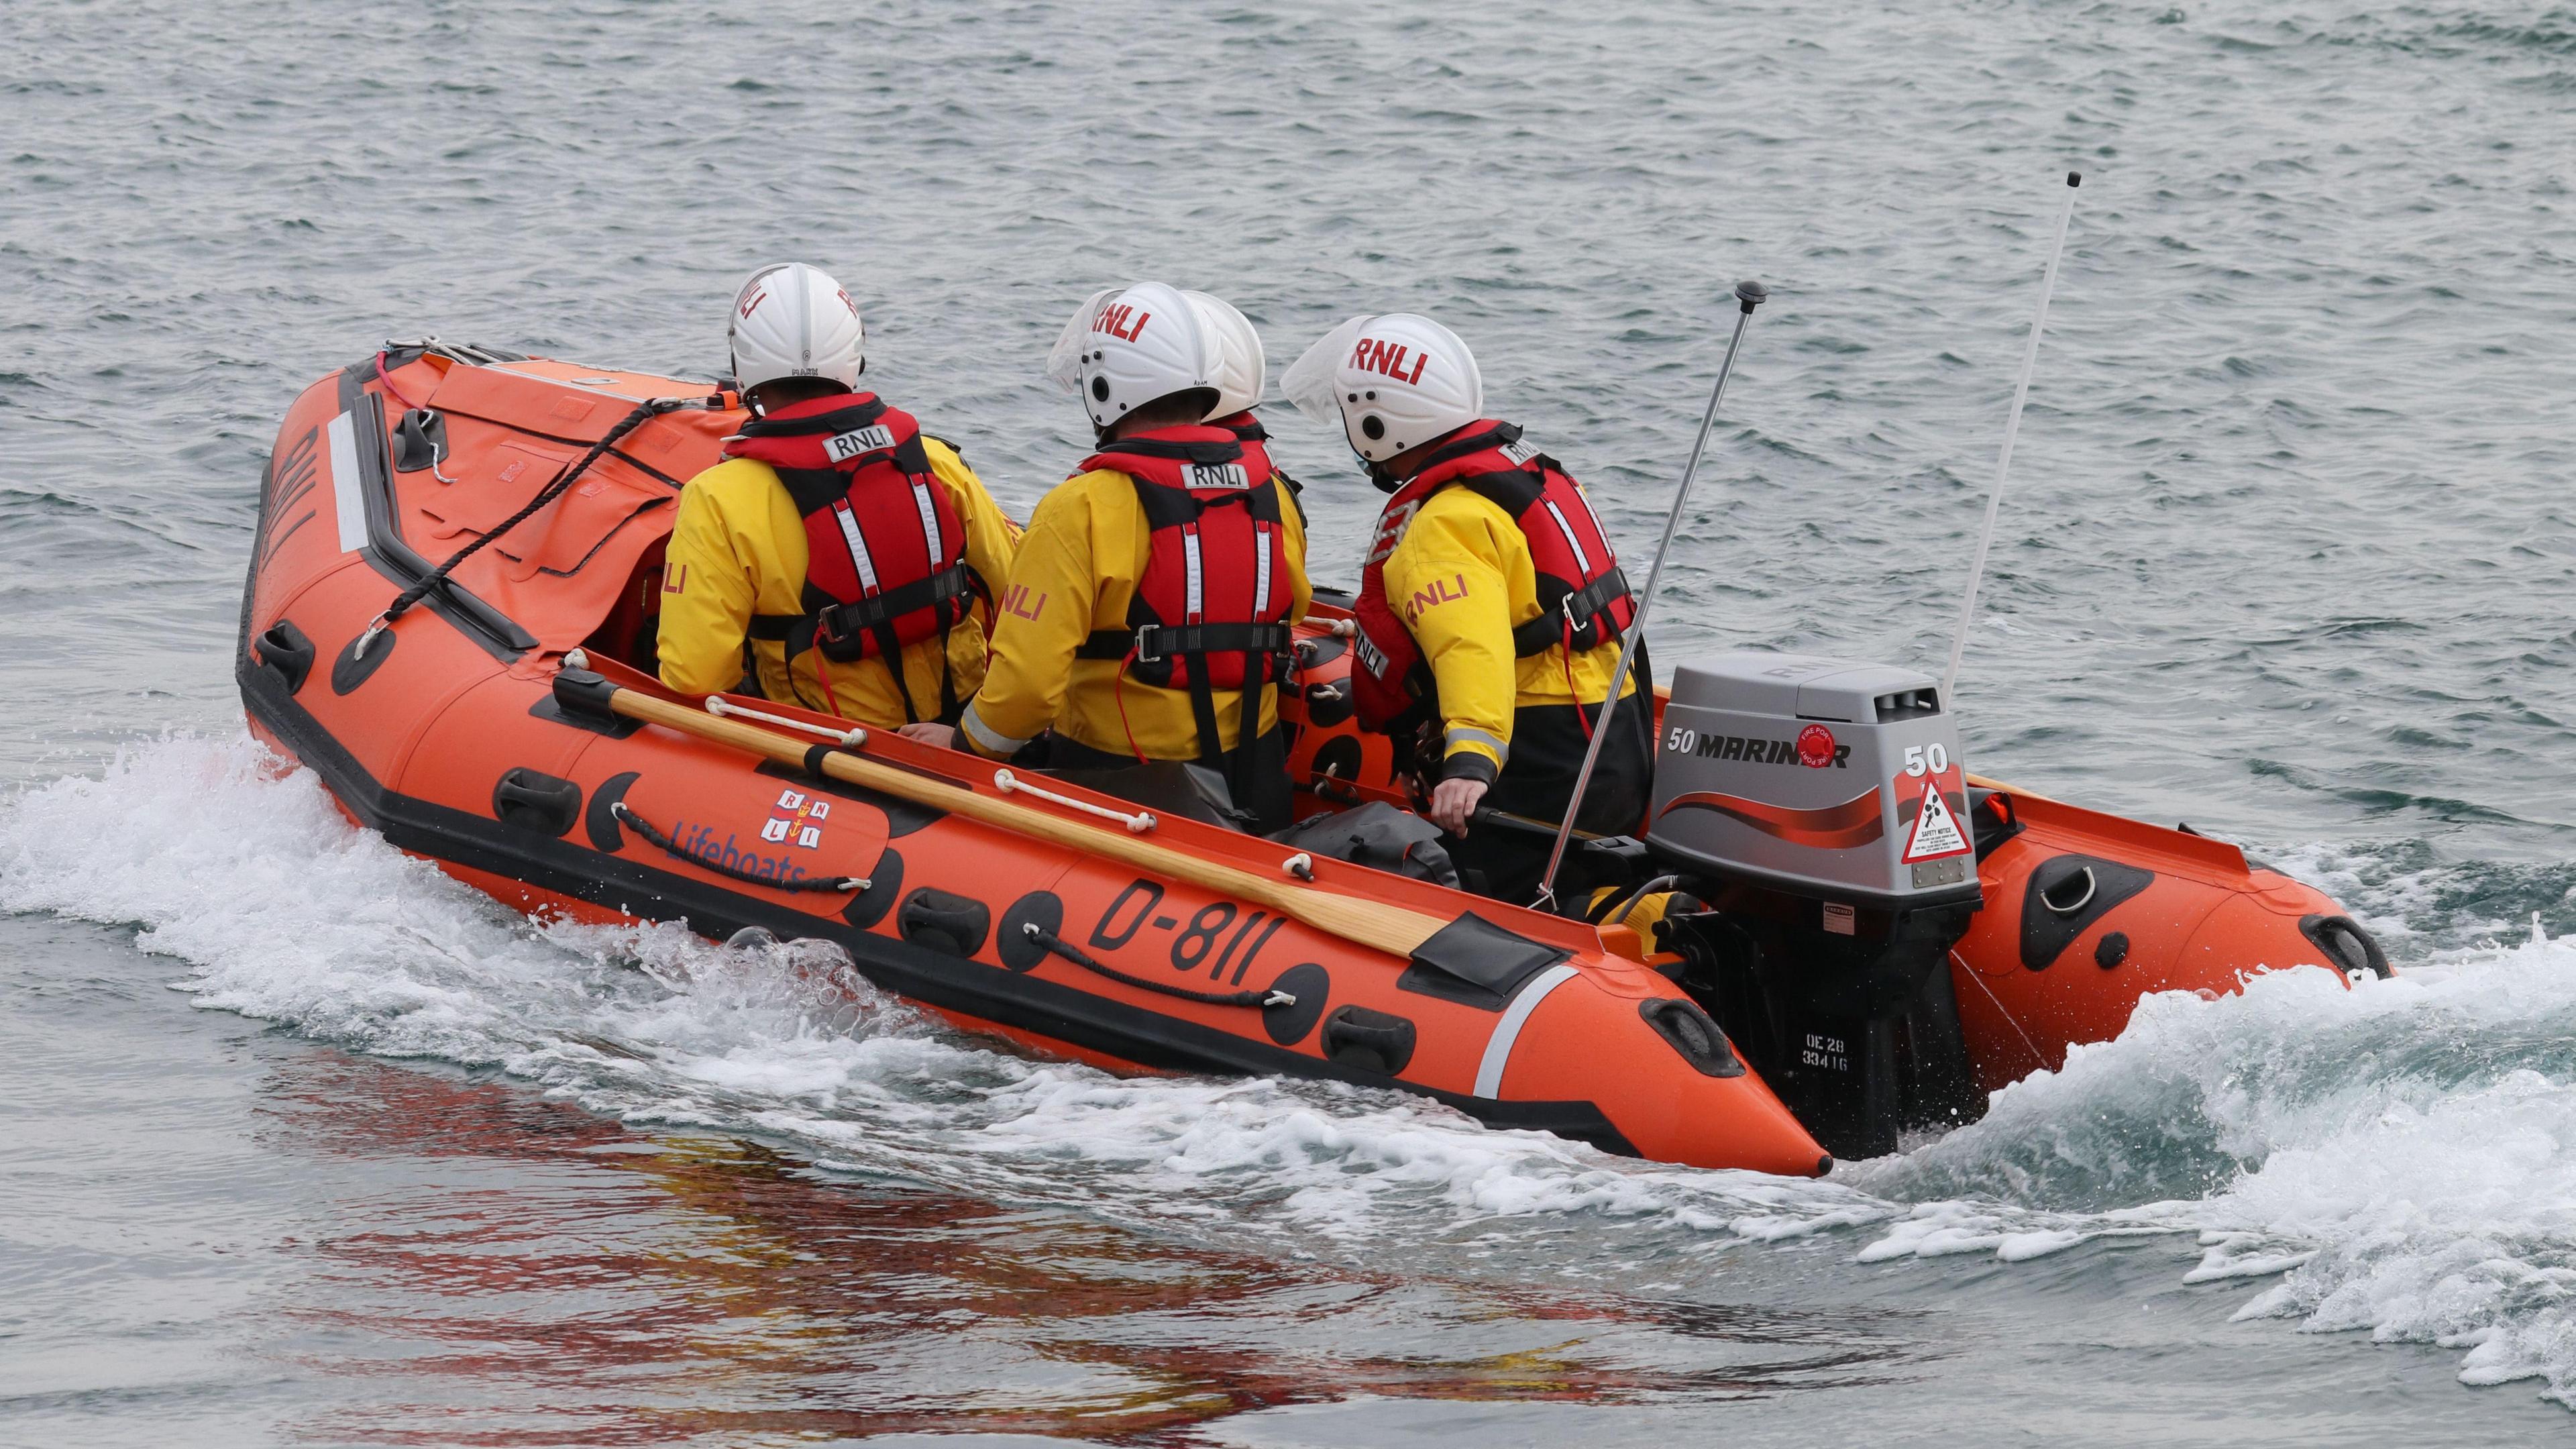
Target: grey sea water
<point x="301" y="1142"/>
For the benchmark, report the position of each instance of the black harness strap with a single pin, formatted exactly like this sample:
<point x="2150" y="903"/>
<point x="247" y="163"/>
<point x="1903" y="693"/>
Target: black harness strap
<point x="1586" y="609"/>
<point x="839" y="420"/>
<point x="1155" y="643"/>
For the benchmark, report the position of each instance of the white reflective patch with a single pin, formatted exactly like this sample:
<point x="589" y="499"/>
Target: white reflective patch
<point x="1261" y="570"/>
<point x="842" y="447"/>
<point x="866" y="566"/>
<point x="929" y="520"/>
<point x="1519" y="452"/>
<point x="1466" y="734"/>
<point x="1498" y="1047"/>
<point x="1218" y="475"/>
<point x="1583" y="501"/>
<point x="1582" y="560"/>
<point x="984" y="735"/>
<point x="1198" y="583"/>
<point x="1390" y="532"/>
<point x="345" y="497"/>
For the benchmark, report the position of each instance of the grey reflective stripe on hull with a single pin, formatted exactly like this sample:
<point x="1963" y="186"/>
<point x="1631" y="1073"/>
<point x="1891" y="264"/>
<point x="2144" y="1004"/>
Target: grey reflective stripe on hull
<point x="1498" y="1047"/>
<point x="348" y="503"/>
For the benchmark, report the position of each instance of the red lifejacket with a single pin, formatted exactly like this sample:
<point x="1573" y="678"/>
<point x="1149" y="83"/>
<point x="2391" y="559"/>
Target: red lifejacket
<point x="1211" y="609"/>
<point x="1255" y="439"/>
<point x="1583" y="599"/>
<point x="885" y="548"/>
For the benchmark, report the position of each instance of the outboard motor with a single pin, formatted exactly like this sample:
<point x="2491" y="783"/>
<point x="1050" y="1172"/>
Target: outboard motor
<point x="1819" y="807"/>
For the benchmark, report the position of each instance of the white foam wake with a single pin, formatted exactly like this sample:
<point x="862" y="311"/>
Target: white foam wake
<point x="241" y="868"/>
<point x="2404" y="1153"/>
<point x="2399" y="1155"/>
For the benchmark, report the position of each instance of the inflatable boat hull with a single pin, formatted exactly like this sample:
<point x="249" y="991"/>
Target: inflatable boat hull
<point x="446" y="735"/>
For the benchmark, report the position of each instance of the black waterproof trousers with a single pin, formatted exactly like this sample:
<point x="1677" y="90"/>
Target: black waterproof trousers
<point x="1537" y="782"/>
<point x="1259" y="782"/>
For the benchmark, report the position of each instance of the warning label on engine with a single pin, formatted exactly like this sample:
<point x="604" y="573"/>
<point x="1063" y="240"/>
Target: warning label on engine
<point x="1936" y="829"/>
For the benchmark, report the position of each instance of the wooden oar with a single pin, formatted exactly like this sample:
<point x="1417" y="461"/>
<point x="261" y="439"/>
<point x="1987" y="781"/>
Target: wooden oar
<point x="1984" y="783"/>
<point x="1374" y="924"/>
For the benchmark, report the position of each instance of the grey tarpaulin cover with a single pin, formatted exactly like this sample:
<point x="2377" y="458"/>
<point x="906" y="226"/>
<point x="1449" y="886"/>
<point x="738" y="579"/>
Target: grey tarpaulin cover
<point x="1378" y="835"/>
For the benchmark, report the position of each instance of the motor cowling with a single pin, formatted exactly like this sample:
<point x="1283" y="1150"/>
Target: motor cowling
<point x="1819" y="807"/>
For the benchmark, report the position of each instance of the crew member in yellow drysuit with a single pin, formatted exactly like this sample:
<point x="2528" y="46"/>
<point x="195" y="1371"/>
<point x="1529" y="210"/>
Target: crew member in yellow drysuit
<point x="1490" y="605"/>
<point x="1155" y="589"/>
<point x="857" y="555"/>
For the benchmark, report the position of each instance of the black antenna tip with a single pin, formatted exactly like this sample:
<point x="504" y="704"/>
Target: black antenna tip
<point x="2074" y="178"/>
<point x="1751" y="294"/>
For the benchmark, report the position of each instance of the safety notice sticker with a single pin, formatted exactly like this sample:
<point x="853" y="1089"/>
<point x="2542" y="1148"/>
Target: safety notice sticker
<point x="1936" y="829"/>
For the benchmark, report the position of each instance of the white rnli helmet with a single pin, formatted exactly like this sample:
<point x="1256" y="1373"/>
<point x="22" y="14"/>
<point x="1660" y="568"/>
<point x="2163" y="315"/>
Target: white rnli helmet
<point x="1126" y="348"/>
<point x="1393" y="380"/>
<point x="792" y="320"/>
<point x="1242" y="372"/>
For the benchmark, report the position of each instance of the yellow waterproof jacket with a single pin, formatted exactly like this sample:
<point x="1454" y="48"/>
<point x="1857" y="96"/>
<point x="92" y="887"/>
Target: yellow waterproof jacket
<point x="738" y="549"/>
<point x="1461" y="579"/>
<point x="1076" y="572"/>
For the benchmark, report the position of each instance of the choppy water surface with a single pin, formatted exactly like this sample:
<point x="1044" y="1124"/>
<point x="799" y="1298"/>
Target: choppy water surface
<point x="2289" y="554"/>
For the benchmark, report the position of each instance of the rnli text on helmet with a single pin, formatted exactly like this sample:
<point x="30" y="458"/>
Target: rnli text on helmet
<point x="1113" y="320"/>
<point x="1388" y="358"/>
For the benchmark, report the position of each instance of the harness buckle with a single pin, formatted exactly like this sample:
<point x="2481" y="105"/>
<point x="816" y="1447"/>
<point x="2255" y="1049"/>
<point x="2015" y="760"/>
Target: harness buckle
<point x="827" y="628"/>
<point x="1141" y="652"/>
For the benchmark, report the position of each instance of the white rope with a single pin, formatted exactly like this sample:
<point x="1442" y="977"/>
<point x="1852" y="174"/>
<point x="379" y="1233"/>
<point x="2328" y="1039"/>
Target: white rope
<point x="1008" y="783"/>
<point x="718" y="705"/>
<point x="1300" y="865"/>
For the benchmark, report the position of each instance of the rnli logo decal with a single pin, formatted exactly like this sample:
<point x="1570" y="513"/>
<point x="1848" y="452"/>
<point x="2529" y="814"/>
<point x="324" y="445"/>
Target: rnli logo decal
<point x="1388" y="359"/>
<point x="842" y="447"/>
<point x="797" y="818"/>
<point x="1217" y="475"/>
<point x="1438" y="592"/>
<point x="1019" y="603"/>
<point x="1519" y="452"/>
<point x="1120" y="320"/>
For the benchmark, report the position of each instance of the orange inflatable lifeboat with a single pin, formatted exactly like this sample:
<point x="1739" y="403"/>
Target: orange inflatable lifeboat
<point x="510" y="729"/>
